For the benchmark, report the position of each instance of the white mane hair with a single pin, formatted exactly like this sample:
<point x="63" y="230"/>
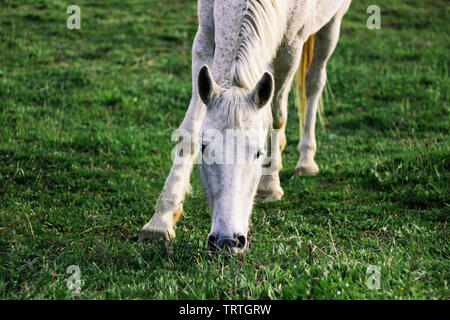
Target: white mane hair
<point x="259" y="37"/>
<point x="257" y="43"/>
<point x="237" y="106"/>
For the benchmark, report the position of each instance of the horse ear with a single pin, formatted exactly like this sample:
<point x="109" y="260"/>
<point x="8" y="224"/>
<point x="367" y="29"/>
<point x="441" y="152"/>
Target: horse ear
<point x="206" y="85"/>
<point x="263" y="91"/>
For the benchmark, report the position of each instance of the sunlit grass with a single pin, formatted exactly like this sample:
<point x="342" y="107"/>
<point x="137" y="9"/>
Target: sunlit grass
<point x="86" y="118"/>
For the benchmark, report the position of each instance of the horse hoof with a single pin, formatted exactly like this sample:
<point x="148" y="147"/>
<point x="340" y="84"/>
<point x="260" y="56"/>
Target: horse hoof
<point x="270" y="195"/>
<point x="156" y="235"/>
<point x="307" y="170"/>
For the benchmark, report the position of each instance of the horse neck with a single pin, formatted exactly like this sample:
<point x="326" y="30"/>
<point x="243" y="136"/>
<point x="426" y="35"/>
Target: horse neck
<point x="247" y="35"/>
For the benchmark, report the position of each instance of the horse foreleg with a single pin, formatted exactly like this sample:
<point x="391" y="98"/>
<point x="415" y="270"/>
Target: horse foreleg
<point x="285" y="64"/>
<point x="170" y="202"/>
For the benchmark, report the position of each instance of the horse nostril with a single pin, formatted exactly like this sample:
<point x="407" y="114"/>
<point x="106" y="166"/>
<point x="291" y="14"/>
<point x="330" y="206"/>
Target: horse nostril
<point x="241" y="242"/>
<point x="211" y="242"/>
<point x="211" y="239"/>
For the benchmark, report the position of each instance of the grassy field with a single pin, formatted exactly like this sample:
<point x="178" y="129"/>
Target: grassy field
<point x="86" y="118"/>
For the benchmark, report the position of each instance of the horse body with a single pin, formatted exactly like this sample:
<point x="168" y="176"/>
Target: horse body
<point x="247" y="34"/>
<point x="253" y="48"/>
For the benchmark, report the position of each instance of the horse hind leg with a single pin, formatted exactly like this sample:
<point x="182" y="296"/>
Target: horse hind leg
<point x="325" y="41"/>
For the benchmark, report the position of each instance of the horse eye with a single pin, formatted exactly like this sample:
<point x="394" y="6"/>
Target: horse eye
<point x="258" y="154"/>
<point x="203" y="147"/>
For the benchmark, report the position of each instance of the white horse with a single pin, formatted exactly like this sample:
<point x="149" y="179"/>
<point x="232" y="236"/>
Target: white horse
<point x="244" y="59"/>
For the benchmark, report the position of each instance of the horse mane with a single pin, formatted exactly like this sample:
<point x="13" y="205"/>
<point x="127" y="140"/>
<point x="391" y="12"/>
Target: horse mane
<point x="259" y="36"/>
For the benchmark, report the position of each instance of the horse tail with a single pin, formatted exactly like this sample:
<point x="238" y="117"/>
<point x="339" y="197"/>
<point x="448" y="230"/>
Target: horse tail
<point x="299" y="82"/>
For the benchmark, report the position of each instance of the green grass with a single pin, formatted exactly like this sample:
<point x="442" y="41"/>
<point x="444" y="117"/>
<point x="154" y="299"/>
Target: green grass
<point x="86" y="118"/>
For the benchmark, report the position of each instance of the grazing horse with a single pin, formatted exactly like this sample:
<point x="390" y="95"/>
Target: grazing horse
<point x="245" y="56"/>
